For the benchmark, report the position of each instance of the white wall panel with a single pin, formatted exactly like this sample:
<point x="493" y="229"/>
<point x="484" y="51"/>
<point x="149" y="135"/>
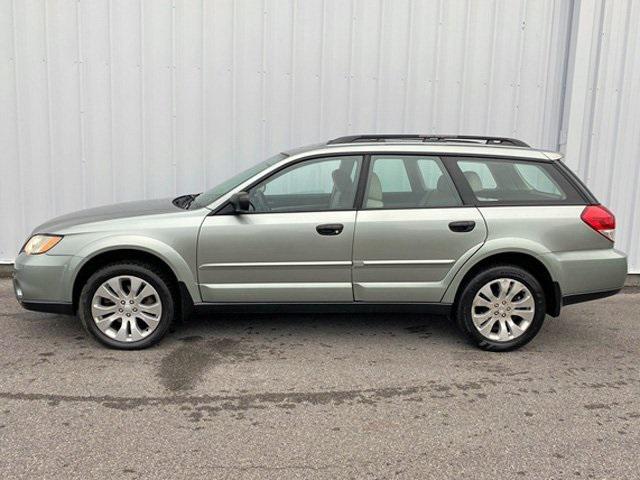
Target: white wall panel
<point x="114" y="100"/>
<point x="603" y="139"/>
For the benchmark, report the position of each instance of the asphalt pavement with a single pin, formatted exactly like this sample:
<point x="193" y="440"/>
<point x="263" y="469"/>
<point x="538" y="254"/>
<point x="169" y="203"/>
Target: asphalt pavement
<point x="322" y="396"/>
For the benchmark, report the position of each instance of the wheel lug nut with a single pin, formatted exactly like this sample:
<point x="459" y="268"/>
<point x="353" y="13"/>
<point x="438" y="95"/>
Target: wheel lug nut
<point x="122" y="302"/>
<point x="131" y="302"/>
<point x="128" y="315"/>
<point x="135" y="309"/>
<point x="504" y="314"/>
<point x="120" y="310"/>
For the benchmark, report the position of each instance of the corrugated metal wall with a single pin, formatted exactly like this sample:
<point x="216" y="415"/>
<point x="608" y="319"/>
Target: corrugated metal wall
<point x="602" y="122"/>
<point x="114" y="100"/>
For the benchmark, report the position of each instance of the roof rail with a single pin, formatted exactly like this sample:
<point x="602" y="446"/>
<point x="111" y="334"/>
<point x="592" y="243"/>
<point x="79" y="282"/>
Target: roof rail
<point x="431" y="138"/>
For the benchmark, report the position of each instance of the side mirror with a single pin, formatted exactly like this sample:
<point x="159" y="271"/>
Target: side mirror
<point x="240" y="202"/>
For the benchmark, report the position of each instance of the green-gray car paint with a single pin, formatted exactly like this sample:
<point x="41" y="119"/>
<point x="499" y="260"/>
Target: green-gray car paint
<point x="278" y="257"/>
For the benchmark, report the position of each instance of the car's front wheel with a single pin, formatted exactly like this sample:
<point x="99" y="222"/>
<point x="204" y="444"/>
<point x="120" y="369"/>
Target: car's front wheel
<point x="127" y="305"/>
<point x="501" y="308"/>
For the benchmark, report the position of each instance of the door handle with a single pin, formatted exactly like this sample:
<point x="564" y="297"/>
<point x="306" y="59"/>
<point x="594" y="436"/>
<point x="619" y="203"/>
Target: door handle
<point x="330" y="229"/>
<point x="464" y="226"/>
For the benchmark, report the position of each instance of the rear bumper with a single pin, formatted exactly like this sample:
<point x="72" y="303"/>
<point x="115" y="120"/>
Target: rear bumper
<point x="587" y="297"/>
<point x="588" y="273"/>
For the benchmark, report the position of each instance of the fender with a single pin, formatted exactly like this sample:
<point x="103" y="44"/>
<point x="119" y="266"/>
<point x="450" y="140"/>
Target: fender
<point x="174" y="260"/>
<point x="495" y="247"/>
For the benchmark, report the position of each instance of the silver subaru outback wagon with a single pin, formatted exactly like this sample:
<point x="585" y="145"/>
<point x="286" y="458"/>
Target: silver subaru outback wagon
<point x="484" y="229"/>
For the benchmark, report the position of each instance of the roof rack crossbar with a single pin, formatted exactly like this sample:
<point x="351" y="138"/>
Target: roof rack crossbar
<point x="431" y="138"/>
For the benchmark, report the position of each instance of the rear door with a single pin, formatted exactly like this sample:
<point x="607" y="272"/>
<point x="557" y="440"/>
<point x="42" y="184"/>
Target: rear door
<point x="413" y="231"/>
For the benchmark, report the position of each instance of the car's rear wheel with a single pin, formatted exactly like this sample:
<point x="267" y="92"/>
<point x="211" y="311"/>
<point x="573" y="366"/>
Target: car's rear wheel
<point x="127" y="305"/>
<point x="501" y="308"/>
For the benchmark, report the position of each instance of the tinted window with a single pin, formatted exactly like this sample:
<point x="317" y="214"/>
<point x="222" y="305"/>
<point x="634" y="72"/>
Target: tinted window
<point x="514" y="182"/>
<point x="409" y="182"/>
<point x="320" y="184"/>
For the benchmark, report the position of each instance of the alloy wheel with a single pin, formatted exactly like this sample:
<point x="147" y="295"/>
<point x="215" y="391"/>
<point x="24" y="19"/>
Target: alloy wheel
<point x="503" y="309"/>
<point x="126" y="308"/>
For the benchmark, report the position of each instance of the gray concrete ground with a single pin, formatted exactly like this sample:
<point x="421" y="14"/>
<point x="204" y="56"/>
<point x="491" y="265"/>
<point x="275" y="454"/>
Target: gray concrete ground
<point x="322" y="396"/>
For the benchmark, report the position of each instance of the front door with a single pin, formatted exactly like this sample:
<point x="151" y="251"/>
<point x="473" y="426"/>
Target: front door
<point x="413" y="233"/>
<point x="296" y="243"/>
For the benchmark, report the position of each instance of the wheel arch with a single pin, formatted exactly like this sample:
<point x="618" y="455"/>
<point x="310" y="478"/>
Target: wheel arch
<point x="526" y="260"/>
<point x="175" y="268"/>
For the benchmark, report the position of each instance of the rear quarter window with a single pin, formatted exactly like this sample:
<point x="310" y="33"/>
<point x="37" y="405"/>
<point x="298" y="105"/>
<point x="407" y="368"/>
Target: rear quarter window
<point x="515" y="182"/>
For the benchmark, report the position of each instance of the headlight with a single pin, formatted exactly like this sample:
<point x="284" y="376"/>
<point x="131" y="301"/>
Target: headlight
<point x="40" y="244"/>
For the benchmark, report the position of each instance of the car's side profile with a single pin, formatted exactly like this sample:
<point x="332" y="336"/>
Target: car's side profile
<point x="486" y="229"/>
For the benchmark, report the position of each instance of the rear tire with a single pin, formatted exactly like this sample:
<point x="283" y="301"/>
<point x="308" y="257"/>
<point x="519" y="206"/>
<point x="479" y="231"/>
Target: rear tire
<point x="501" y="308"/>
<point x="132" y="310"/>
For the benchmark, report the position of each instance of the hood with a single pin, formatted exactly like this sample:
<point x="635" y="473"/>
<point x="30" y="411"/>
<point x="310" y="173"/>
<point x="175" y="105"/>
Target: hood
<point x="108" y="212"/>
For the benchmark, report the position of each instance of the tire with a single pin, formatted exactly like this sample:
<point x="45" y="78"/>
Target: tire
<point x="127" y="321"/>
<point x="501" y="324"/>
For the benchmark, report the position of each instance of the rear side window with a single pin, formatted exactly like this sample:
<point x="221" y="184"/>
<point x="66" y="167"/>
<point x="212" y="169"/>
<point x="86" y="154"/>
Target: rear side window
<point x="411" y="181"/>
<point x="496" y="181"/>
<point x="392" y="174"/>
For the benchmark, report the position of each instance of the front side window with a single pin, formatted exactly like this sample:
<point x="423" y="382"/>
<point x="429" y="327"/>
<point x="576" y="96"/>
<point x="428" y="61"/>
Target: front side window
<point x="409" y="182"/>
<point x="506" y="181"/>
<point x="312" y="185"/>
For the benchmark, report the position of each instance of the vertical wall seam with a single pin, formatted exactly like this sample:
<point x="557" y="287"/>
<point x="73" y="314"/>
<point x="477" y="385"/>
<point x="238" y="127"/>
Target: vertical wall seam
<point x="203" y="110"/>
<point x="174" y="166"/>
<point x="321" y="69"/>
<point x="564" y="99"/>
<point x="234" y="155"/>
<point x="516" y="92"/>
<point x="543" y="74"/>
<point x="80" y="63"/>
<point x="465" y="48"/>
<point x="292" y="67"/>
<point x="378" y="80"/>
<point x="110" y="65"/>
<point x="263" y="83"/>
<point x="143" y="110"/>
<point x="23" y="217"/>
<point x="436" y="76"/>
<point x="407" y="72"/>
<point x="492" y="56"/>
<point x="350" y="66"/>
<point x="52" y="169"/>
<point x="592" y="103"/>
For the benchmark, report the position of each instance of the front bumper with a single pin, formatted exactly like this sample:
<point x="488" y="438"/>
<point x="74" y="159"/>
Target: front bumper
<point x="42" y="283"/>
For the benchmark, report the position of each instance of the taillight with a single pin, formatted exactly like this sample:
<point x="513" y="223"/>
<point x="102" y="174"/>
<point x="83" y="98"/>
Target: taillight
<point x="600" y="219"/>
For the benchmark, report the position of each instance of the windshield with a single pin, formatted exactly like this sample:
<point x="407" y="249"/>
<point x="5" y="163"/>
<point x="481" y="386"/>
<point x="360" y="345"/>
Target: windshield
<point x="219" y="190"/>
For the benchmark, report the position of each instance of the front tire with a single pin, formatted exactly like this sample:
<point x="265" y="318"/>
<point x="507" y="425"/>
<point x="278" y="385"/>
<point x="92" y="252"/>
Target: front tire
<point x="501" y="308"/>
<point x="127" y="305"/>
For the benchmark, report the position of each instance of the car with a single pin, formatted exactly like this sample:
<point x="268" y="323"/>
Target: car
<point x="487" y="230"/>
